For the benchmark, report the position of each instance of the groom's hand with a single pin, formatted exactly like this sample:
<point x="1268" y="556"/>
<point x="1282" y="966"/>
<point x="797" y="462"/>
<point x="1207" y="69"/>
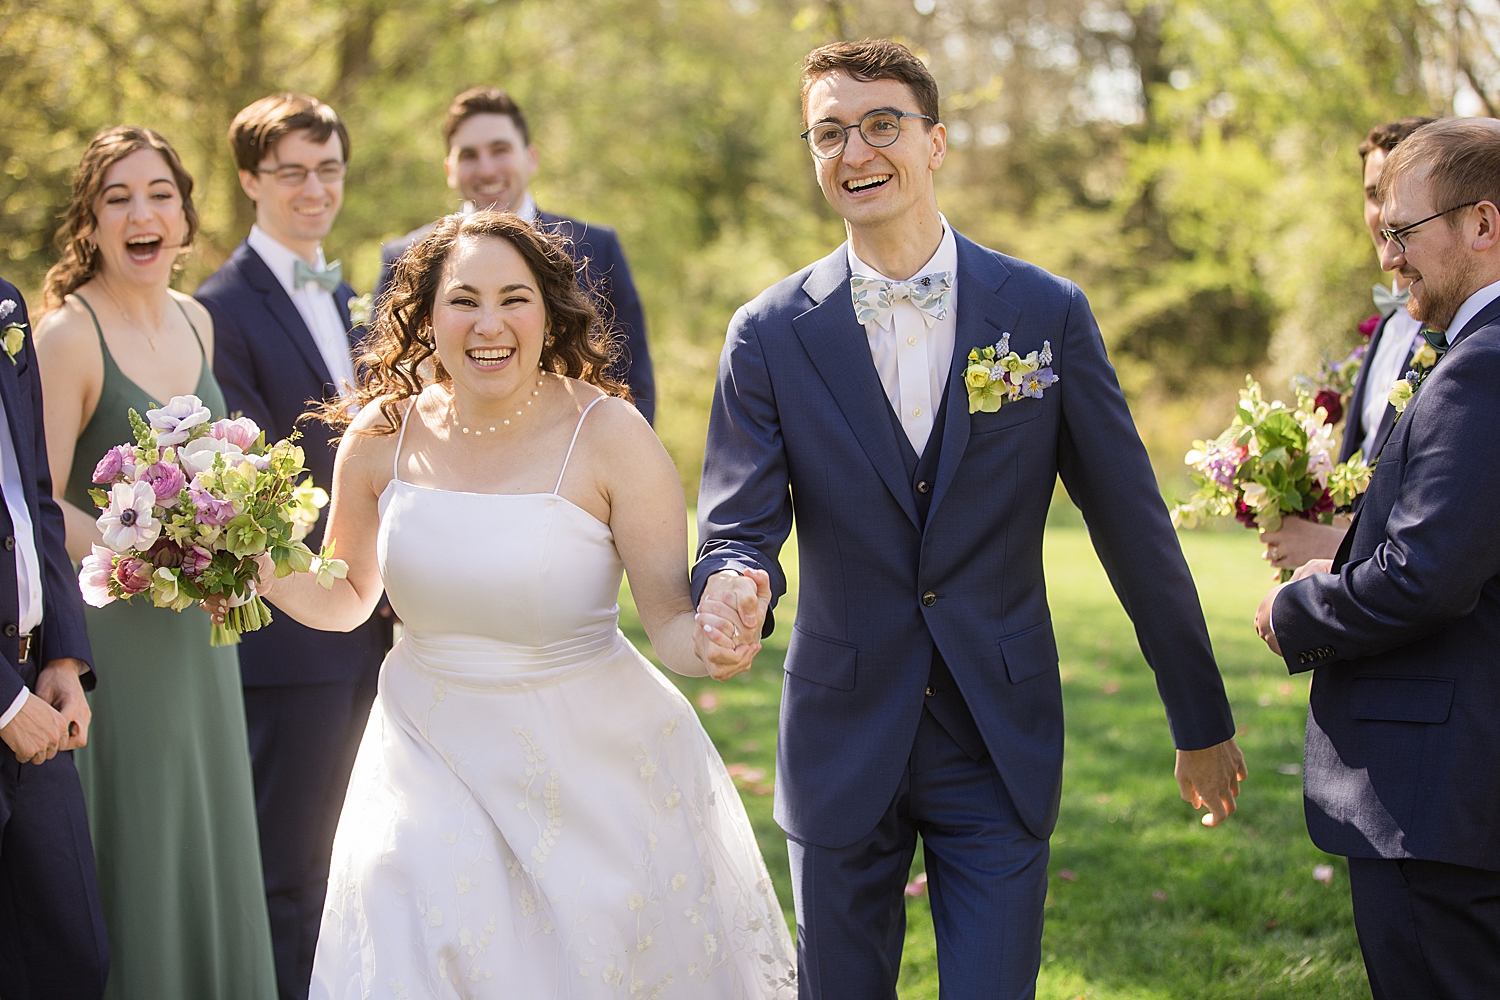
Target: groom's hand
<point x="730" y="616"/>
<point x="1211" y="779"/>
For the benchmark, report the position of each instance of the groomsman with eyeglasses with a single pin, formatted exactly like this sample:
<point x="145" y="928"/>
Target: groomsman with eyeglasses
<point x="1370" y="416"/>
<point x="490" y="162"/>
<point x="284" y="337"/>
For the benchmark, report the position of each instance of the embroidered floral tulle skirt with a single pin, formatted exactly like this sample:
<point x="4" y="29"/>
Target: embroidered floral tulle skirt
<point x="543" y="822"/>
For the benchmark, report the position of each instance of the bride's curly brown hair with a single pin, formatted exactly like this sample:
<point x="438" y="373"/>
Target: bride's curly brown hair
<point x="400" y="358"/>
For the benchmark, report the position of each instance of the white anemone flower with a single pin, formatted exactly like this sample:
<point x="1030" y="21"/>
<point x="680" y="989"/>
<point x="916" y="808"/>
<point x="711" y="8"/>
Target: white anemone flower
<point x="197" y="457"/>
<point x="127" y="522"/>
<point x="175" y="421"/>
<point x="93" y="577"/>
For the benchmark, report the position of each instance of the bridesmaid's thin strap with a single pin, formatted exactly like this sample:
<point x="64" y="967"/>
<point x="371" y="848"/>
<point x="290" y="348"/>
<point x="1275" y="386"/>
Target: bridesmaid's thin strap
<point x="581" y="418"/>
<point x="196" y="335"/>
<point x="400" y="437"/>
<point x="97" y="328"/>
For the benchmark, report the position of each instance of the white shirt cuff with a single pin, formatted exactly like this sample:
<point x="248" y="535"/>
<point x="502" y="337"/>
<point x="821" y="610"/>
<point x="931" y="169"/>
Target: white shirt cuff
<point x="15" y="708"/>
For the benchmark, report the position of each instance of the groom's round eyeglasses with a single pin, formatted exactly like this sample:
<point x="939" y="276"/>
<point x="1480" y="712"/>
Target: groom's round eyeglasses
<point x="295" y="175"/>
<point x="1398" y="236"/>
<point x="878" y="129"/>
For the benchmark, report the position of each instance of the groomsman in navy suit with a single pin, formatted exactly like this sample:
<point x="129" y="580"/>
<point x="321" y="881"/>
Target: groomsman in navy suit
<point x="1401" y="628"/>
<point x="490" y="162"/>
<point x="52" y="939"/>
<point x="922" y="694"/>
<point x="284" y="342"/>
<point x="1369" y="418"/>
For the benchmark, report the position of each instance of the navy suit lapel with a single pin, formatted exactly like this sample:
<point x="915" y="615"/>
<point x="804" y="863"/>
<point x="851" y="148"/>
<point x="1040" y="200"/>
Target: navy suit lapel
<point x="280" y="306"/>
<point x="17" y="418"/>
<point x="1486" y="316"/>
<point x="840" y="350"/>
<point x="982" y="317"/>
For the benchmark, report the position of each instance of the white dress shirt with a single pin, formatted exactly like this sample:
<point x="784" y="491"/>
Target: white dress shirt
<point x="28" y="566"/>
<point x="317" y="307"/>
<point x="1472" y="307"/>
<point x="913" y="359"/>
<point x="1397" y="341"/>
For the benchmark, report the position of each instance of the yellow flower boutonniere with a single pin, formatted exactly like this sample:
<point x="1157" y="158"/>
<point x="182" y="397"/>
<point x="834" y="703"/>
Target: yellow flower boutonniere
<point x="997" y="375"/>
<point x="14" y="333"/>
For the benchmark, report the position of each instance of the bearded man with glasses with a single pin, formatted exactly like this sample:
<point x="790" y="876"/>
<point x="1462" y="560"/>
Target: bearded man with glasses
<point x="1402" y="771"/>
<point x="284" y="337"/>
<point x="922" y="695"/>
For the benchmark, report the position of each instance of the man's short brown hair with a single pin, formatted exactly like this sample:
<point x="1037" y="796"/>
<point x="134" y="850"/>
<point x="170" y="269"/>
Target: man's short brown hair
<point x="872" y="59"/>
<point x="1461" y="157"/>
<point x="1390" y="135"/>
<point x="483" y="101"/>
<point x="257" y="129"/>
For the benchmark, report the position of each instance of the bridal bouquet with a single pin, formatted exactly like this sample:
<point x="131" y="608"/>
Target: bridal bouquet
<point x="188" y="507"/>
<point x="1272" y="462"/>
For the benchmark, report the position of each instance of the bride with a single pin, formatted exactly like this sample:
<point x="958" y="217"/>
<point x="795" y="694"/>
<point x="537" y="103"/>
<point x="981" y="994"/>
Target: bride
<point x="535" y="810"/>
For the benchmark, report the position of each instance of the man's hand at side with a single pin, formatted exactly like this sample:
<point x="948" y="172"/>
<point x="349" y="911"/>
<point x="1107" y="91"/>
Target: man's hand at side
<point x="730" y="615"/>
<point x="1210" y="779"/>
<point x="37" y="732"/>
<point x="58" y="686"/>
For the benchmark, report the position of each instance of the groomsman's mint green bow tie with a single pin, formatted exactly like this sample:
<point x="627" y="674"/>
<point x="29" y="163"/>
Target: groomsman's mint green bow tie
<point x="1387" y="301"/>
<point x="329" y="277"/>
<point x="874" y="298"/>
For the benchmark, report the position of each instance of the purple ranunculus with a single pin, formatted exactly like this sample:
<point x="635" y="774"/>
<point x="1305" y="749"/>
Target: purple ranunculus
<point x="211" y="510"/>
<point x="133" y="575"/>
<point x="118" y="461"/>
<point x="166" y="481"/>
<point x="240" y="432"/>
<point x="195" y="560"/>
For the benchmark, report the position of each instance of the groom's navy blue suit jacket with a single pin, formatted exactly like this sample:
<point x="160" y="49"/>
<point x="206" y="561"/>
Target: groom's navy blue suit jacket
<point x="801" y="422"/>
<point x="1403" y="728"/>
<point x="270" y="369"/>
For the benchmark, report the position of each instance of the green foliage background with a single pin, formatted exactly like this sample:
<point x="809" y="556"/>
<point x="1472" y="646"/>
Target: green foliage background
<point x="1191" y="164"/>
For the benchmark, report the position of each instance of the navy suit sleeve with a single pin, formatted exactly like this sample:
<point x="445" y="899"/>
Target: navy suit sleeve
<point x="234" y="363"/>
<point x="64" y="633"/>
<point x="1108" y="474"/>
<point x="745" y="500"/>
<point x="1440" y="546"/>
<point x="625" y="303"/>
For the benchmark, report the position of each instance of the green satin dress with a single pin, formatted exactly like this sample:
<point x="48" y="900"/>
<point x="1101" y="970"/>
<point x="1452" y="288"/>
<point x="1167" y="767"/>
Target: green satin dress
<point x="166" y="775"/>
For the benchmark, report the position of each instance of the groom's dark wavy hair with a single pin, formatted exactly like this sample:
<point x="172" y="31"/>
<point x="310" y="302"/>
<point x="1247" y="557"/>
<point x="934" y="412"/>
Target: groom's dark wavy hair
<point x="873" y="59"/>
<point x="400" y="358"/>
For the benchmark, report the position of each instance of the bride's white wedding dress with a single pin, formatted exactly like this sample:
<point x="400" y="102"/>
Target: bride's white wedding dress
<point x="536" y="811"/>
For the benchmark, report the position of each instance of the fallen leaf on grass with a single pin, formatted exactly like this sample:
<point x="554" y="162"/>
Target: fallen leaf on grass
<point x="1067" y="875"/>
<point x="1323" y="873"/>
<point x="1111" y="687"/>
<point x="708" y="702"/>
<point x="1272" y="924"/>
<point x="1284" y="689"/>
<point x="917" y="886"/>
<point x="1288" y="768"/>
<point x="1159" y="895"/>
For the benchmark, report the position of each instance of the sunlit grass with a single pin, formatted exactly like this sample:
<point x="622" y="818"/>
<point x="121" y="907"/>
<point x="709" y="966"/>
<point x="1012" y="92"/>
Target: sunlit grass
<point x="1159" y="906"/>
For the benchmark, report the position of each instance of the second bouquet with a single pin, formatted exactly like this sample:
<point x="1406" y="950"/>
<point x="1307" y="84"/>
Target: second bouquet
<point x="188" y="508"/>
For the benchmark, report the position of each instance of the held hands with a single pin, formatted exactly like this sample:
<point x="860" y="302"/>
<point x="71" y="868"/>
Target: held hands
<point x="1210" y="779"/>
<point x="1263" y="613"/>
<point x="730" y="616"/>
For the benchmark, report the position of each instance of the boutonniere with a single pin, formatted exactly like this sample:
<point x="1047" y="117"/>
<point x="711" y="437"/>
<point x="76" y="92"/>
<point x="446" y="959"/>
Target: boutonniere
<point x="1423" y="361"/>
<point x="997" y="375"/>
<point x="14" y="333"/>
<point x="361" y="309"/>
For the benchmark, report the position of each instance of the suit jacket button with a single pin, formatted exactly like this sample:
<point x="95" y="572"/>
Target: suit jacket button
<point x="10" y="630"/>
<point x="923" y="486"/>
<point x="10" y="542"/>
<point x="929" y="599"/>
<point x="931" y="690"/>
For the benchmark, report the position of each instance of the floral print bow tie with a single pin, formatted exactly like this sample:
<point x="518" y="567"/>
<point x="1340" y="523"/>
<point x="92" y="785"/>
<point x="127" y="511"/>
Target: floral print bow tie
<point x="874" y="298"/>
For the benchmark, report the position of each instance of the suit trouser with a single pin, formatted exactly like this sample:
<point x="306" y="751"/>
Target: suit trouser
<point x="1427" y="929"/>
<point x="53" y="944"/>
<point x="303" y="740"/>
<point x="986" y="873"/>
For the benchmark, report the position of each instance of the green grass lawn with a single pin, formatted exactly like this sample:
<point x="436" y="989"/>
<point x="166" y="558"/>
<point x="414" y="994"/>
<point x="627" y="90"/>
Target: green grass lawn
<point x="1144" y="901"/>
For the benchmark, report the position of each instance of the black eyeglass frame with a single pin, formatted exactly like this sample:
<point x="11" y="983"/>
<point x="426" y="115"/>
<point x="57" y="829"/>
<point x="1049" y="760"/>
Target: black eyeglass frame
<point x="859" y="125"/>
<point x="277" y="173"/>
<point x="1395" y="235"/>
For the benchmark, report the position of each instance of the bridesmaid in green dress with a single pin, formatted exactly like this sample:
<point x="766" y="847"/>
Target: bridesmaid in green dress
<point x="166" y="773"/>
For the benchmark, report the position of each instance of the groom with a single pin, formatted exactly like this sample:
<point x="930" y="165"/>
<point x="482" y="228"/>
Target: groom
<point x="922" y="694"/>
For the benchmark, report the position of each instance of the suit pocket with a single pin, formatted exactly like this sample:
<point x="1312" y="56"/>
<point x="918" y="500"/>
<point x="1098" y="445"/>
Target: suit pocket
<point x="823" y="661"/>
<point x="1401" y="699"/>
<point x="1009" y="415"/>
<point x="1030" y="652"/>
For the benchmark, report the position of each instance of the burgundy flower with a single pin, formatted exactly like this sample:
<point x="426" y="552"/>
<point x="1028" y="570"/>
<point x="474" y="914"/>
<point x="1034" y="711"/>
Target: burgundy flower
<point x="133" y="574"/>
<point x="166" y="482"/>
<point x="1244" y="513"/>
<point x="1323" y="505"/>
<point x="195" y="560"/>
<point x="1332" y="402"/>
<point x="164" y="553"/>
<point x="1367" y="328"/>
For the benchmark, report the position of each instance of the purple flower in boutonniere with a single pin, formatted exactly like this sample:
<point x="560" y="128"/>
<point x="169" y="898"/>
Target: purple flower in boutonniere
<point x="997" y="375"/>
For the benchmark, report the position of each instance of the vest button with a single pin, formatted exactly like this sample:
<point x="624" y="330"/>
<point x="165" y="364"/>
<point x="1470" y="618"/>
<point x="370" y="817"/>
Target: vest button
<point x="931" y="690"/>
<point x="10" y="542"/>
<point x="928" y="599"/>
<point x="923" y="486"/>
<point x="10" y="630"/>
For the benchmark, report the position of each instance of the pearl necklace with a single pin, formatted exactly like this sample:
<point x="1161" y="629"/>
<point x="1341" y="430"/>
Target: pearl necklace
<point x="506" y="422"/>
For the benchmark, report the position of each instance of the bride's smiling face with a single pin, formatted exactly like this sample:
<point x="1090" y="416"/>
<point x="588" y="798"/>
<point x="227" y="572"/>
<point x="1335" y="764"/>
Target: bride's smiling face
<point x="488" y="319"/>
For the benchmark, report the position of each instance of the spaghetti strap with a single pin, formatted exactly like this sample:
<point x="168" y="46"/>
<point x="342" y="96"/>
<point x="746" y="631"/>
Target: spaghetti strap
<point x="196" y="335"/>
<point x="569" y="455"/>
<point x="400" y="437"/>
<point x="97" y="328"/>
